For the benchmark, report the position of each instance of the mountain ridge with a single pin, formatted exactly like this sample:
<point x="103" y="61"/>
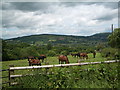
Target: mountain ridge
<point x="61" y="39"/>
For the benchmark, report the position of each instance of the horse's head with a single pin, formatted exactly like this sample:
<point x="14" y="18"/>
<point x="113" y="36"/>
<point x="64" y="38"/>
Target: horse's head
<point x="67" y="62"/>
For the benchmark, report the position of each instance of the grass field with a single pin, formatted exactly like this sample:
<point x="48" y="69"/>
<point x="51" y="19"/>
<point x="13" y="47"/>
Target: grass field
<point x="51" y="60"/>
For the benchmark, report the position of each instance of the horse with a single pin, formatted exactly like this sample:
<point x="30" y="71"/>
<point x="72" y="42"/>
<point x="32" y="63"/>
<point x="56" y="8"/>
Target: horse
<point x="63" y="58"/>
<point x="84" y="55"/>
<point x="42" y="57"/>
<point x="73" y="55"/>
<point x="31" y="57"/>
<point x="76" y="55"/>
<point x="94" y="54"/>
<point x="34" y="62"/>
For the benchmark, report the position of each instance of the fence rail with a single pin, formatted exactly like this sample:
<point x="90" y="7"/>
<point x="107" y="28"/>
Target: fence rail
<point x="60" y="65"/>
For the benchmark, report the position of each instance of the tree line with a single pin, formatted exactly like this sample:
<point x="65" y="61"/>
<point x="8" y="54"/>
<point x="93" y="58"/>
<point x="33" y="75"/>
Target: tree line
<point x="21" y="50"/>
<point x="16" y="51"/>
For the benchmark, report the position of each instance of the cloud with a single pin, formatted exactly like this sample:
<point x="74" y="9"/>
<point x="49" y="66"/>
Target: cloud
<point x="113" y="5"/>
<point x="21" y="19"/>
<point x="113" y="13"/>
<point x="25" y="6"/>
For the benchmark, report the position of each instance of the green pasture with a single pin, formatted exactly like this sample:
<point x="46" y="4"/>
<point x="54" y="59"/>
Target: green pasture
<point x="51" y="61"/>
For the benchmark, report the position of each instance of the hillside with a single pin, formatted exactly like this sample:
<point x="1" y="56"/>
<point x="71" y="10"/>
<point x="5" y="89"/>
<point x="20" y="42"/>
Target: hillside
<point x="44" y="39"/>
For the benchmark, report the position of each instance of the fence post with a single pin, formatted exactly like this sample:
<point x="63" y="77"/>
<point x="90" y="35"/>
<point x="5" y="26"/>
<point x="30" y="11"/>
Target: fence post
<point x="10" y="72"/>
<point x="47" y="63"/>
<point x="78" y="61"/>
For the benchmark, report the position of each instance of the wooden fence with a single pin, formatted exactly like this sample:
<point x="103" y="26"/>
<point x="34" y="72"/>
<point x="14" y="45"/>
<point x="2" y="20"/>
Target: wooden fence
<point x="12" y="68"/>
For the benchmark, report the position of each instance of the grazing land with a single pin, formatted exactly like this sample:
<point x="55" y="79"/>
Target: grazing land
<point x="90" y="76"/>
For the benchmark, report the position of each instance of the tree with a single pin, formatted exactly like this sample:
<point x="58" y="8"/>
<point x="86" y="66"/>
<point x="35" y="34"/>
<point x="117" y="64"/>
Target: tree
<point x="114" y="38"/>
<point x="49" y="46"/>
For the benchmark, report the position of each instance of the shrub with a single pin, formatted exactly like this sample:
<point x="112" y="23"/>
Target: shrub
<point x="51" y="53"/>
<point x="103" y="76"/>
<point x="64" y="52"/>
<point x="110" y="53"/>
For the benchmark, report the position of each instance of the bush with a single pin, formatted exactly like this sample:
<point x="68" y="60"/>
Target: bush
<point x="64" y="52"/>
<point x="51" y="53"/>
<point x="109" y="53"/>
<point x="95" y="76"/>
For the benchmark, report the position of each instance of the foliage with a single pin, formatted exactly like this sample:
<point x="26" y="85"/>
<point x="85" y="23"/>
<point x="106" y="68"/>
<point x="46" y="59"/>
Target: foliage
<point x="51" y="53"/>
<point x="51" y="45"/>
<point x="110" y="53"/>
<point x="96" y="76"/>
<point x="64" y="52"/>
<point x="114" y="38"/>
<point x="12" y="51"/>
<point x="54" y="60"/>
<point x="44" y="39"/>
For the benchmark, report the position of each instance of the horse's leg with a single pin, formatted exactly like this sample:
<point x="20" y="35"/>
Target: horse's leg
<point x="80" y="57"/>
<point x="42" y="60"/>
<point x="65" y="62"/>
<point x="29" y="64"/>
<point x="59" y="61"/>
<point x="84" y="57"/>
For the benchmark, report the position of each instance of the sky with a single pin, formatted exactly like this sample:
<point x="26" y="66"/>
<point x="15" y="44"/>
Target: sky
<point x="63" y="18"/>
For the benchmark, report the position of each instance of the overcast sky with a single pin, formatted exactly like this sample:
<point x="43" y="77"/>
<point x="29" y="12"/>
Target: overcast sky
<point x="66" y="18"/>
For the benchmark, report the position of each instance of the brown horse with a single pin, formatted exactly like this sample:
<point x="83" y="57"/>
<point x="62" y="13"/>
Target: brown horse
<point x="84" y="55"/>
<point x="63" y="59"/>
<point x="34" y="62"/>
<point x="30" y="57"/>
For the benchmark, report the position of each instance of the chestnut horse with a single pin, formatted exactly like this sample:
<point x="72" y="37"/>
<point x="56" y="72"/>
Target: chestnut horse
<point x="84" y="55"/>
<point x="34" y="62"/>
<point x="63" y="59"/>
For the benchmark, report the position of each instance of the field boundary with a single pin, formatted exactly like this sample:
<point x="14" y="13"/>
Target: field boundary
<point x="11" y="74"/>
<point x="60" y="65"/>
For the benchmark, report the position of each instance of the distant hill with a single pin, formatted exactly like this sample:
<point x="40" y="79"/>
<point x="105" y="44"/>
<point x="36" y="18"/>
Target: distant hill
<point x="44" y="39"/>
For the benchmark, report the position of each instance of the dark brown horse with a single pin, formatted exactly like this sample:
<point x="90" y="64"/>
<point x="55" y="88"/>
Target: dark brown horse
<point x="84" y="55"/>
<point x="94" y="54"/>
<point x="76" y="55"/>
<point x="73" y="55"/>
<point x="63" y="59"/>
<point x="34" y="62"/>
<point x="42" y="57"/>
